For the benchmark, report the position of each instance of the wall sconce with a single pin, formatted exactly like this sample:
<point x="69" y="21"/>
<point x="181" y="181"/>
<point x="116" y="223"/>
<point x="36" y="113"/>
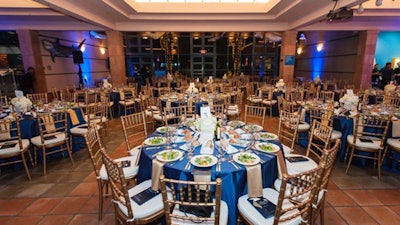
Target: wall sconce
<point x="144" y="36"/>
<point x="83" y="48"/>
<point x="102" y="50"/>
<point x="196" y="35"/>
<point x="360" y="9"/>
<point x="299" y="50"/>
<point x="320" y="46"/>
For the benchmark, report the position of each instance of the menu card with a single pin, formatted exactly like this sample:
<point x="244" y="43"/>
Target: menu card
<point x="265" y="207"/>
<point x="8" y="145"/>
<point x="49" y="137"/>
<point x="205" y="112"/>
<point x="144" y="196"/>
<point x="293" y="159"/>
<point x="19" y="93"/>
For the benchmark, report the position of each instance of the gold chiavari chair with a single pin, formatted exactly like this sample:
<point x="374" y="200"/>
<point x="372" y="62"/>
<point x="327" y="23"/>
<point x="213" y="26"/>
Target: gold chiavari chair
<point x="53" y="128"/>
<point x="369" y="136"/>
<point x="327" y="95"/>
<point x="38" y="97"/>
<point x="268" y="100"/>
<point x="174" y="114"/>
<point x="218" y="110"/>
<point x="287" y="130"/>
<point x="128" y="100"/>
<point x="254" y="114"/>
<point x="181" y="195"/>
<point x="235" y="108"/>
<point x="67" y="97"/>
<point x="325" y="116"/>
<point x="12" y="147"/>
<point x="134" y="127"/>
<point x="126" y="210"/>
<point x="293" y="200"/>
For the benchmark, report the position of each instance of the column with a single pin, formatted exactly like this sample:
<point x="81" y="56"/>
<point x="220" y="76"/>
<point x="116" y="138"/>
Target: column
<point x="365" y="58"/>
<point x="288" y="51"/>
<point x="117" y="57"/>
<point x="29" y="45"/>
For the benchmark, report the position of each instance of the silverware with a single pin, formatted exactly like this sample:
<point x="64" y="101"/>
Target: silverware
<point x="188" y="165"/>
<point x="155" y="147"/>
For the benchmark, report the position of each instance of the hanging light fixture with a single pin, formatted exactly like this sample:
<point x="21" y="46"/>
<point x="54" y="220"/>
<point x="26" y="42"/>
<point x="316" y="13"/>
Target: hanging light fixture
<point x="360" y="9"/>
<point x="378" y="2"/>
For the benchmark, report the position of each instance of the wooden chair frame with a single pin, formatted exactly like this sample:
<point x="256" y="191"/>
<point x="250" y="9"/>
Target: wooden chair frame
<point x="255" y="112"/>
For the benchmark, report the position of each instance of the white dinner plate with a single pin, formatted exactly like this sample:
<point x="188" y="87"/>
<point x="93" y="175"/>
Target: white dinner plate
<point x="253" y="127"/>
<point x="204" y="160"/>
<point x="164" y="129"/>
<point x="169" y="155"/>
<point x="245" y="158"/>
<point x="236" y="123"/>
<point x="267" y="147"/>
<point x="266" y="136"/>
<point x="155" y="141"/>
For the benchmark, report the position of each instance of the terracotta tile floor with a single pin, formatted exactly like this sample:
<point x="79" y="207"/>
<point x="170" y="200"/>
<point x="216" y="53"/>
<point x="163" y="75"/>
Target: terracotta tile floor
<point x="69" y="195"/>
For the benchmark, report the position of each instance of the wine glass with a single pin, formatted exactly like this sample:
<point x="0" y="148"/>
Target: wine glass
<point x="189" y="146"/>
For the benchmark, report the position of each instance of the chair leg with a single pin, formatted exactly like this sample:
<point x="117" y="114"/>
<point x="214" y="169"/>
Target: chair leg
<point x="100" y="183"/>
<point x="44" y="160"/>
<point x="69" y="152"/>
<point x="322" y="214"/>
<point x="30" y="158"/>
<point x="350" y="159"/>
<point x="25" y="165"/>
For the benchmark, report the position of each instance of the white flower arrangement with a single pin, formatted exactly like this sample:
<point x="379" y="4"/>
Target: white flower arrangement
<point x="349" y="102"/>
<point x="317" y="80"/>
<point x="225" y="76"/>
<point x="210" y="80"/>
<point x="280" y="84"/>
<point x="207" y="125"/>
<point x="169" y="77"/>
<point x="192" y="90"/>
<point x="390" y="87"/>
<point x="106" y="85"/>
<point x="21" y="104"/>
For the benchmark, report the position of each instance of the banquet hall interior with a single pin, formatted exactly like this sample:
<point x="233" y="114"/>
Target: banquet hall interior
<point x="124" y="96"/>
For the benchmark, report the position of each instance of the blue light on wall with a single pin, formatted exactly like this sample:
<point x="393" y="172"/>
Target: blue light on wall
<point x="387" y="47"/>
<point x="317" y="63"/>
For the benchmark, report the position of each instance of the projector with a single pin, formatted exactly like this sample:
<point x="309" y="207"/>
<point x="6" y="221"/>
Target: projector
<point x="341" y="14"/>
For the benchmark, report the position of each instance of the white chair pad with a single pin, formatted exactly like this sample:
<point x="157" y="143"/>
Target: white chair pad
<point x="127" y="103"/>
<point x="250" y="212"/>
<point x="254" y="99"/>
<point x="129" y="172"/>
<point x="303" y="126"/>
<point x="232" y="107"/>
<point x="269" y="102"/>
<point x="148" y="208"/>
<point x="336" y="135"/>
<point x="150" y="113"/>
<point x="299" y="167"/>
<point x="79" y="130"/>
<point x="233" y="112"/>
<point x="223" y="219"/>
<point x="395" y="142"/>
<point x="15" y="149"/>
<point x="286" y="149"/>
<point x="60" y="137"/>
<point x="160" y="117"/>
<point x="371" y="145"/>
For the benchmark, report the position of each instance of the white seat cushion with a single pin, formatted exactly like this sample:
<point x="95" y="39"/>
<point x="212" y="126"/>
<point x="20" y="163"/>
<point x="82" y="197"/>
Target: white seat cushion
<point x="250" y="212"/>
<point x="129" y="172"/>
<point x="299" y="167"/>
<point x="303" y="126"/>
<point x="269" y="102"/>
<point x="232" y="112"/>
<point x="127" y="103"/>
<point x="134" y="152"/>
<point x="79" y="130"/>
<point x="160" y="117"/>
<point x="223" y="219"/>
<point x="286" y="149"/>
<point x="394" y="142"/>
<point x="15" y="149"/>
<point x="60" y="137"/>
<point x="150" y="113"/>
<point x="336" y="135"/>
<point x="232" y="107"/>
<point x="371" y="145"/>
<point x="148" y="208"/>
<point x="254" y="99"/>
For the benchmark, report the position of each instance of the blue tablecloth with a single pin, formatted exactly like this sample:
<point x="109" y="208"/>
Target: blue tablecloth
<point x="234" y="181"/>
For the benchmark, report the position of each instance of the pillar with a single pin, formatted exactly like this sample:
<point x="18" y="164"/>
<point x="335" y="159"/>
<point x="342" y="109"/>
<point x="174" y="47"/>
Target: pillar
<point x="29" y="44"/>
<point x="288" y="51"/>
<point x="365" y="58"/>
<point x="117" y="57"/>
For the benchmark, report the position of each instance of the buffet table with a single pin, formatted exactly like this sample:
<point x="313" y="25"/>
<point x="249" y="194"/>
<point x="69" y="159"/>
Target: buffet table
<point x="234" y="179"/>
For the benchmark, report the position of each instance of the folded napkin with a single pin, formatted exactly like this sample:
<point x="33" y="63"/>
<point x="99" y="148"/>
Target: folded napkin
<point x="178" y="139"/>
<point x="157" y="170"/>
<point x="254" y="181"/>
<point x="74" y="117"/>
<point x="396" y="128"/>
<point x="207" y="148"/>
<point x="240" y="131"/>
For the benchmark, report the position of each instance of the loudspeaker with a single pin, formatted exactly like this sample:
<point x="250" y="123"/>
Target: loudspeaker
<point x="77" y="56"/>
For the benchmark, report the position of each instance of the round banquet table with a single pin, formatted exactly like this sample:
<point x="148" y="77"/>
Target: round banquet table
<point x="234" y="181"/>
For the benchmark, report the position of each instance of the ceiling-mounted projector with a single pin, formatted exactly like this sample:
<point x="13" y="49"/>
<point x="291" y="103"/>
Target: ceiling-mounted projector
<point x="340" y="14"/>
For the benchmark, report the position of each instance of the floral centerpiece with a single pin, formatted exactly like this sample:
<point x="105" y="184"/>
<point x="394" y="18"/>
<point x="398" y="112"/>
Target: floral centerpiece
<point x="170" y="77"/>
<point x="225" y="76"/>
<point x="192" y="89"/>
<point x="106" y="85"/>
<point x="210" y="80"/>
<point x="21" y="104"/>
<point x="390" y="87"/>
<point x="349" y="101"/>
<point x="207" y="125"/>
<point x="280" y="84"/>
<point x="317" y="80"/>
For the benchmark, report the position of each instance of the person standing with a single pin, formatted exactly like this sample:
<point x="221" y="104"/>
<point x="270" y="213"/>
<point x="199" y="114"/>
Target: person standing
<point x="27" y="81"/>
<point x="387" y="73"/>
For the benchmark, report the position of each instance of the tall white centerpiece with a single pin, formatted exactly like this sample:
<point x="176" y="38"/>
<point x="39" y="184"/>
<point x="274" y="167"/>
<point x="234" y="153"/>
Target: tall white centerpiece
<point x="280" y="85"/>
<point x="21" y="104"/>
<point x="106" y="85"/>
<point x="349" y="101"/>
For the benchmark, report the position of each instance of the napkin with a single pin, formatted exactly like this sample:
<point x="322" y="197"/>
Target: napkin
<point x="254" y="181"/>
<point x="240" y="131"/>
<point x="74" y="117"/>
<point x="178" y="139"/>
<point x="207" y="148"/>
<point x="157" y="170"/>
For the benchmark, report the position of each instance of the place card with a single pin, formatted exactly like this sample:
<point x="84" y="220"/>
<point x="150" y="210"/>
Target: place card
<point x="364" y="139"/>
<point x="19" y="93"/>
<point x="49" y="137"/>
<point x="144" y="196"/>
<point x="8" y="145"/>
<point x="349" y="92"/>
<point x="205" y="112"/>
<point x="294" y="159"/>
<point x="265" y="207"/>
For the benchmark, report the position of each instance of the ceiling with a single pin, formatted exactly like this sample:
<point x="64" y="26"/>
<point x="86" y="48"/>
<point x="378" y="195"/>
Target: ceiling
<point x="209" y="16"/>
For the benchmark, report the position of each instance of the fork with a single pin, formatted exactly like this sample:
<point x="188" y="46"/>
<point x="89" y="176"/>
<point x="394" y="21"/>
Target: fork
<point x="188" y="165"/>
